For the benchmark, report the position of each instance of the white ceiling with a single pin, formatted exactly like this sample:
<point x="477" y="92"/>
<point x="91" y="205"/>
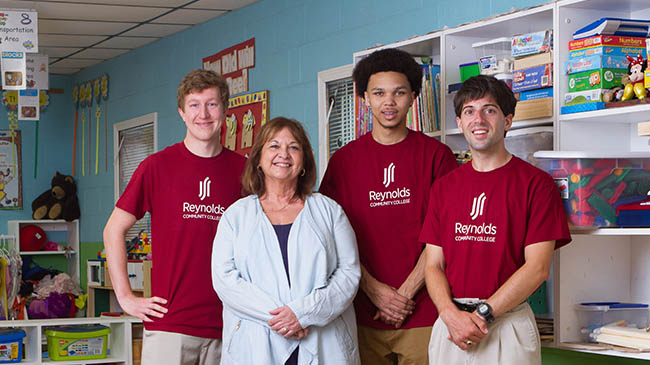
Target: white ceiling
<point x="80" y="33"/>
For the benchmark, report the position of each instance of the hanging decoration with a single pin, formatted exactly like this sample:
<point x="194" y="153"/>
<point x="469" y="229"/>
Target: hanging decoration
<point x="10" y="100"/>
<point x="82" y="104"/>
<point x="75" y="101"/>
<point x="96" y="90"/>
<point x="104" y="87"/>
<point x="246" y="114"/>
<point x="89" y="104"/>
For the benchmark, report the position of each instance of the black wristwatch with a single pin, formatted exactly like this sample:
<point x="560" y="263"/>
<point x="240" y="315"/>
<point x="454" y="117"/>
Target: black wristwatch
<point x="485" y="311"/>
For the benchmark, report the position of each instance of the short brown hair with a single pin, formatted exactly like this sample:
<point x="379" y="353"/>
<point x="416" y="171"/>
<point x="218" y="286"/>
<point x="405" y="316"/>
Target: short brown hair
<point x="253" y="177"/>
<point x="199" y="80"/>
<point x="477" y="87"/>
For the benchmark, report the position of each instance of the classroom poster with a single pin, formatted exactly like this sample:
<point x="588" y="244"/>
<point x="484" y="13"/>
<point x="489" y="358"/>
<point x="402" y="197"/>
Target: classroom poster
<point x="11" y="187"/>
<point x="19" y="30"/>
<point x="28" y="104"/>
<point x="13" y="70"/>
<point x="37" y="72"/>
<point x="246" y="115"/>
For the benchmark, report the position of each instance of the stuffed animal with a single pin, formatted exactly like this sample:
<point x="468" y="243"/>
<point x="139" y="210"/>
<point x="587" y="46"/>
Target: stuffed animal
<point x="59" y="202"/>
<point x="636" y="87"/>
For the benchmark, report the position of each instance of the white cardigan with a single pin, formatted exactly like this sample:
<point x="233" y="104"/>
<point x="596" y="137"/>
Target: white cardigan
<point x="249" y="276"/>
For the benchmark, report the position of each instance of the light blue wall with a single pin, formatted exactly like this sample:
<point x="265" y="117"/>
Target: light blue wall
<point x="295" y="39"/>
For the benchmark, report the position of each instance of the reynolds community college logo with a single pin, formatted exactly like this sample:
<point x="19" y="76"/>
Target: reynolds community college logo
<point x="204" y="188"/>
<point x="395" y="196"/>
<point x="210" y="211"/>
<point x="389" y="174"/>
<point x="477" y="206"/>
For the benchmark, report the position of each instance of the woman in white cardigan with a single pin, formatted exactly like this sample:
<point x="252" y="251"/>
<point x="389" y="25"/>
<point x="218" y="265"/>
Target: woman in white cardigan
<point x="285" y="261"/>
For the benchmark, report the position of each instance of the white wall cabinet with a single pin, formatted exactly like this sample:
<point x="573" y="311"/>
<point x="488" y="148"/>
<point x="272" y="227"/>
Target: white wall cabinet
<point x="599" y="265"/>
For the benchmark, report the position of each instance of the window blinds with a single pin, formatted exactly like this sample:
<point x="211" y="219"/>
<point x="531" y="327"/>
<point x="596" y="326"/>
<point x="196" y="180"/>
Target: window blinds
<point x="135" y="145"/>
<point x="340" y="97"/>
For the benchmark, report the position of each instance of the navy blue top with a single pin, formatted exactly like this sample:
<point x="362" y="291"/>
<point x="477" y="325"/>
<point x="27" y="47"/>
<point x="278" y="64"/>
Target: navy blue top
<point x="282" y="231"/>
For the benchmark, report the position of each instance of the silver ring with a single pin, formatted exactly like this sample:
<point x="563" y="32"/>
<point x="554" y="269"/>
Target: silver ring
<point x="469" y="343"/>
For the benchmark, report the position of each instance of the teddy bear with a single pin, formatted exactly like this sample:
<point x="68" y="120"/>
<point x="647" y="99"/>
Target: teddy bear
<point x="59" y="202"/>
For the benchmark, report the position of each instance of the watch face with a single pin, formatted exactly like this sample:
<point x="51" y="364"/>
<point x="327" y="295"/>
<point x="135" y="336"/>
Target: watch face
<point x="483" y="308"/>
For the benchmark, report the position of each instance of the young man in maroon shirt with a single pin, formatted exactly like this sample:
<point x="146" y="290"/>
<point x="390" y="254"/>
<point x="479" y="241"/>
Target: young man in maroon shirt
<point x="186" y="188"/>
<point x="491" y="238"/>
<point x="382" y="181"/>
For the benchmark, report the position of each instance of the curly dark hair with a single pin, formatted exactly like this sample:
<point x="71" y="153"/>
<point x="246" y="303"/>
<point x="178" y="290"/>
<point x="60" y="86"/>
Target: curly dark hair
<point x="477" y="87"/>
<point x="386" y="60"/>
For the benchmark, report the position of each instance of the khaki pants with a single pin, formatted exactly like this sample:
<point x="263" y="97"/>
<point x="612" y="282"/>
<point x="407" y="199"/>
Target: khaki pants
<point x="403" y="347"/>
<point x="159" y="347"/>
<point x="512" y="338"/>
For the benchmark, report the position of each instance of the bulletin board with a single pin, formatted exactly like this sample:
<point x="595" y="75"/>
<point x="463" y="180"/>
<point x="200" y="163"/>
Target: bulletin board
<point x="246" y="114"/>
<point x="11" y="186"/>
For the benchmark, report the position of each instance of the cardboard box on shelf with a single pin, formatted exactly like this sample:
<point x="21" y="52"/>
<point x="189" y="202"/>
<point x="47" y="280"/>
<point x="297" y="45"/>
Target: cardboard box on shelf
<point x="609" y="40"/>
<point x="533" y="60"/>
<point x="532" y="78"/>
<point x="532" y="43"/>
<point x="607" y="51"/>
<point x="603" y="78"/>
<point x="536" y="108"/>
<point x="586" y="96"/>
<point x="594" y="62"/>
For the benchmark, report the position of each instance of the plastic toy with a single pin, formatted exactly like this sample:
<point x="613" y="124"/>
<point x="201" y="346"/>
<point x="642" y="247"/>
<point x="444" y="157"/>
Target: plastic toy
<point x="636" y="70"/>
<point x="597" y="187"/>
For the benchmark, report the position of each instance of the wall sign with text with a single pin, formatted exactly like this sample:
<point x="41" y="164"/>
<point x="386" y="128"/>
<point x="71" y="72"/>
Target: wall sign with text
<point x="233" y="63"/>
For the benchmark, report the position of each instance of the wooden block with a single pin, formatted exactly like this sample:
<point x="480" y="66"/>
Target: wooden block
<point x="531" y="109"/>
<point x="107" y="277"/>
<point x="534" y="60"/>
<point x="136" y="346"/>
<point x="644" y="128"/>
<point x="146" y="269"/>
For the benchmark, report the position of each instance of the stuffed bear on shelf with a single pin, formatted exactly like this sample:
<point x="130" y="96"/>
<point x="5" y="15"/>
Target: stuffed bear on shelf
<point x="59" y="202"/>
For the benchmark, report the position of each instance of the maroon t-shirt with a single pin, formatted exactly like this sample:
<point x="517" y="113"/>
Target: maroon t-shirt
<point x="384" y="190"/>
<point x="186" y="196"/>
<point x="485" y="220"/>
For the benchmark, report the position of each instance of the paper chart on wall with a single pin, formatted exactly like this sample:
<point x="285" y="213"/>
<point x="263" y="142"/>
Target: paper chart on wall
<point x="13" y="70"/>
<point x="11" y="194"/>
<point x="28" y="105"/>
<point x="37" y="71"/>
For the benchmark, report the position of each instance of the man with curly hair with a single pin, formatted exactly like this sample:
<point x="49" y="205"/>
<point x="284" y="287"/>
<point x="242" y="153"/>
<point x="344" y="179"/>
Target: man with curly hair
<point x="382" y="181"/>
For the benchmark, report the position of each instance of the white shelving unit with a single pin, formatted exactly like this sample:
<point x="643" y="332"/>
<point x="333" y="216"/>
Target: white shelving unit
<point x="119" y="340"/>
<point x="71" y="230"/>
<point x="608" y="263"/>
<point x="600" y="264"/>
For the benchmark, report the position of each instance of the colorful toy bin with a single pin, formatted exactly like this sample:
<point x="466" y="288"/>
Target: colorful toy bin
<point x="81" y="342"/>
<point x="11" y="345"/>
<point x="593" y="185"/>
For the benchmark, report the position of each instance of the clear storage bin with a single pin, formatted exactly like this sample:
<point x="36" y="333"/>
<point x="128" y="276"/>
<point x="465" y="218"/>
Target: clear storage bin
<point x="593" y="185"/>
<point x="494" y="56"/>
<point x="597" y="314"/>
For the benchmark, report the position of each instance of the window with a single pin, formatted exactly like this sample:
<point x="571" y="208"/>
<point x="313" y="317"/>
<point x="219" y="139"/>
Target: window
<point x="133" y="141"/>
<point x="335" y="112"/>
